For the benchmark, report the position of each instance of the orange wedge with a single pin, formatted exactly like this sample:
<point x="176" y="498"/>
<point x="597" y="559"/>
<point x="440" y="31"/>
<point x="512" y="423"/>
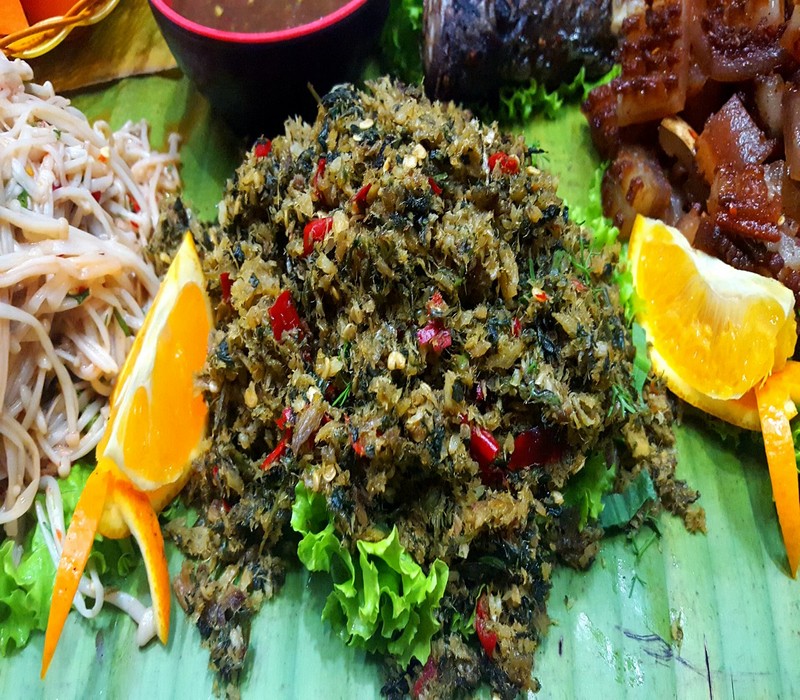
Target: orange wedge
<point x="156" y="425"/>
<point x="720" y="338"/>
<point x="719" y="329"/>
<point x="157" y="416"/>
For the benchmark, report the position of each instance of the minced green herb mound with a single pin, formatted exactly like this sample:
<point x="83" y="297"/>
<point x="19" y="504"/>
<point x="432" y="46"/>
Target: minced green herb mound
<point x="410" y="323"/>
<point x="382" y="600"/>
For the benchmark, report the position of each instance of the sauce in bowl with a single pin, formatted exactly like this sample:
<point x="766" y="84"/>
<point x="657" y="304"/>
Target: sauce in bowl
<point x="251" y="16"/>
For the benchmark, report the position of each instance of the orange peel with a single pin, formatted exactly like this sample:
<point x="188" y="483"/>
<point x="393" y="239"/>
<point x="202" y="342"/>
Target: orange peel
<point x="145" y="455"/>
<point x="75" y="554"/>
<point x="142" y="521"/>
<point x="720" y="339"/>
<point x="776" y="407"/>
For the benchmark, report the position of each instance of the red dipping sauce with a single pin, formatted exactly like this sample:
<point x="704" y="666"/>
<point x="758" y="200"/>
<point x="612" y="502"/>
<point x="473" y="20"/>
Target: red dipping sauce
<point x="254" y="16"/>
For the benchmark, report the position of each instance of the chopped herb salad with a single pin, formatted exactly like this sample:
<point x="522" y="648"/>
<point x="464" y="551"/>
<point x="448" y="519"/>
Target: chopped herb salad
<point x="422" y="384"/>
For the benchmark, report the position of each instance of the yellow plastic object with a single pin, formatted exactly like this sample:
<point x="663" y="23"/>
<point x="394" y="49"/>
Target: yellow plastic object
<point x="39" y="38"/>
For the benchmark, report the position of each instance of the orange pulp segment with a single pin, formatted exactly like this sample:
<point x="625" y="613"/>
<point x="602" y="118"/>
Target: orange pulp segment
<point x="12" y="17"/>
<point x="158" y="415"/>
<point x="741" y="412"/>
<point x="719" y="329"/>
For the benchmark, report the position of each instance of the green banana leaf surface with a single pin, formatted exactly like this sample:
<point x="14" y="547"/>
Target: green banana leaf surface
<point x="669" y="615"/>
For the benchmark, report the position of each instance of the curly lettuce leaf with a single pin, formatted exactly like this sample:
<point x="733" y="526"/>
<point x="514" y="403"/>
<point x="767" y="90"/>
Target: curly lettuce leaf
<point x="604" y="234"/>
<point x="519" y="103"/>
<point x="381" y="600"/>
<point x="25" y="588"/>
<point x="24" y="592"/>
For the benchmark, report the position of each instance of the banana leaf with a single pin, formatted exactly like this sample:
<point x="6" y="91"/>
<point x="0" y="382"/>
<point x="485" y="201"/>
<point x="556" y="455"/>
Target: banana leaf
<point x="665" y="615"/>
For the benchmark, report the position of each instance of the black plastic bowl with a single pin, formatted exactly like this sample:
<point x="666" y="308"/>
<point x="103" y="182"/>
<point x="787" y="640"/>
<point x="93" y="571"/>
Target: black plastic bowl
<point x="256" y="80"/>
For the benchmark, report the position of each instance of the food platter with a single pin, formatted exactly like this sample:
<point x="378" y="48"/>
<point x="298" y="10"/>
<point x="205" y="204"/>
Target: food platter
<point x="678" y="615"/>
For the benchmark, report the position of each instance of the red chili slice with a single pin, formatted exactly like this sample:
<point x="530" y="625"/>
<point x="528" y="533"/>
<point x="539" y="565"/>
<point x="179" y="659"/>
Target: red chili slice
<point x="508" y="164"/>
<point x="429" y="672"/>
<point x="441" y="341"/>
<point x="355" y="439"/>
<point x="320" y="171"/>
<point x="275" y="455"/>
<point x="482" y="446"/>
<point x="361" y="199"/>
<point x="283" y="315"/>
<point x="437" y="190"/>
<point x="487" y="638"/>
<point x="540" y="295"/>
<point x="225" y="285"/>
<point x="428" y="332"/>
<point x="436" y="305"/>
<point x="315" y="232"/>
<point x="534" y="447"/>
<point x="263" y="149"/>
<point x="286" y="420"/>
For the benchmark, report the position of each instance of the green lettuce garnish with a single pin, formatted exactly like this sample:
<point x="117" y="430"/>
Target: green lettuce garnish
<point x="382" y="600"/>
<point x="24" y="592"/>
<point x="604" y="234"/>
<point x="519" y="103"/>
<point x="590" y="491"/>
